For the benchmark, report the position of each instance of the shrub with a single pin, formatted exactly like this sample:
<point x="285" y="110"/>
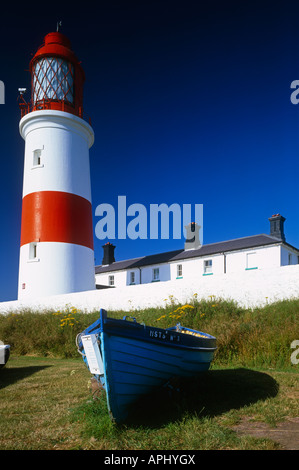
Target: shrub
<point x="258" y="337"/>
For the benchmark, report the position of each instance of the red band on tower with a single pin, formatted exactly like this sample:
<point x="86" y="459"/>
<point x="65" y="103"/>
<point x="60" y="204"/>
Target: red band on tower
<point x="53" y="216"/>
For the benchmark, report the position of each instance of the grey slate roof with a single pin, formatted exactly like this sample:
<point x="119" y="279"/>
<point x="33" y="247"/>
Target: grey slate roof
<point x="204" y="250"/>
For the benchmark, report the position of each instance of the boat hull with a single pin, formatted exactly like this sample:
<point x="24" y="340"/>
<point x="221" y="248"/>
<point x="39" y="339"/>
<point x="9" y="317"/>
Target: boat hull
<point x="135" y="368"/>
<point x="138" y="359"/>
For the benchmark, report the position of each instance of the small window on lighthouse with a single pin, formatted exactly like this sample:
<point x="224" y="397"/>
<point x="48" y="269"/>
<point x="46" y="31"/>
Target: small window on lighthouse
<point x="37" y="157"/>
<point x="33" y="251"/>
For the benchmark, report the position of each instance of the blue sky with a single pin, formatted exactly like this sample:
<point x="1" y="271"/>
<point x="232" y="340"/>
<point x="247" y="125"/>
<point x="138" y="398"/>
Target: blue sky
<point x="190" y="104"/>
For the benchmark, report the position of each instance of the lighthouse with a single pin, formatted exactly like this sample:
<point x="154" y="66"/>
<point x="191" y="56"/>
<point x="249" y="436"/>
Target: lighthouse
<point x="56" y="246"/>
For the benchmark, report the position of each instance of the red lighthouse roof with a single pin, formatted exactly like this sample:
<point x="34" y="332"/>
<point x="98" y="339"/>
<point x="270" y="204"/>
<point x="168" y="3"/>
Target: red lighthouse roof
<point x="59" y="45"/>
<point x="57" y="77"/>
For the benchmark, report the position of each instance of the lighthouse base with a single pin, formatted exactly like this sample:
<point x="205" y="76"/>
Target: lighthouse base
<point x="55" y="268"/>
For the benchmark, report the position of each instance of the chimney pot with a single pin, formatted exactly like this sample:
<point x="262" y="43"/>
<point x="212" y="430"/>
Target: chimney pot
<point x="108" y="257"/>
<point x="277" y="227"/>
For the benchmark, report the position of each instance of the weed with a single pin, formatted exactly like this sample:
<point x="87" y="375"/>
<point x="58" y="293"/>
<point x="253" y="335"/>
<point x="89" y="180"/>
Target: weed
<point x="252" y="337"/>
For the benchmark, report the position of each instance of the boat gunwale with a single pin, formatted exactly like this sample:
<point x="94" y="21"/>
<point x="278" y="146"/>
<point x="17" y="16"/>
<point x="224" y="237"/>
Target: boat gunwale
<point x="155" y="341"/>
<point x="131" y="330"/>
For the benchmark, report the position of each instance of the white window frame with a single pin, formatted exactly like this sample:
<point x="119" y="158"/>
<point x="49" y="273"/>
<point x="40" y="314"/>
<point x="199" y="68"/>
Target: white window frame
<point x="37" y="158"/>
<point x="132" y="277"/>
<point x="32" y="255"/>
<point x="156" y="274"/>
<point x="179" y="271"/>
<point x="111" y="280"/>
<point x="208" y="266"/>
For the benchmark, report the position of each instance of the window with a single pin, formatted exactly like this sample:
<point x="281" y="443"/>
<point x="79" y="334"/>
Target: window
<point x="156" y="274"/>
<point x="179" y="270"/>
<point x="289" y="258"/>
<point x="53" y="79"/>
<point x="251" y="262"/>
<point x="132" y="277"/>
<point x="37" y="158"/>
<point x="208" y="266"/>
<point x="111" y="280"/>
<point x="33" y="252"/>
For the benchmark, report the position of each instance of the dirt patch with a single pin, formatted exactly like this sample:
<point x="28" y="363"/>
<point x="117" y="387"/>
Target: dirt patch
<point x="96" y="388"/>
<point x="285" y="433"/>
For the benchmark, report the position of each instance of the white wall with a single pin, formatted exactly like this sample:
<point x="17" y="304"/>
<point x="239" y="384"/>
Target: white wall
<point x="193" y="268"/>
<point x="265" y="258"/>
<point x="286" y="259"/>
<point x="58" y="268"/>
<point x="247" y="288"/>
<point x="64" y="140"/>
<point x="147" y="273"/>
<point x="136" y="271"/>
<point x="120" y="278"/>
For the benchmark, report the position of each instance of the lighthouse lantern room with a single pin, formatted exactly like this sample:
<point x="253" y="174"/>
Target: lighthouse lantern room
<point x="56" y="253"/>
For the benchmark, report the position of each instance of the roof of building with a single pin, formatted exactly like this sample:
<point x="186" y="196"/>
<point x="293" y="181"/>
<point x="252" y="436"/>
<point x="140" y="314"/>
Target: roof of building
<point x="204" y="250"/>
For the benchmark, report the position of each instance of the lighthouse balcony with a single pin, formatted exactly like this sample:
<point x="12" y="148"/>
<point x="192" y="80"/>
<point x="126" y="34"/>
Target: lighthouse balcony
<point x="60" y="105"/>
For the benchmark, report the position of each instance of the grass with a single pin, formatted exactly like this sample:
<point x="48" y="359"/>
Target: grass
<point x="46" y="400"/>
<point x="46" y="404"/>
<point x="251" y="338"/>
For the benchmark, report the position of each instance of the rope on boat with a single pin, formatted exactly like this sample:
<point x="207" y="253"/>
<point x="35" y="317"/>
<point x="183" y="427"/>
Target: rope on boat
<point x="80" y="352"/>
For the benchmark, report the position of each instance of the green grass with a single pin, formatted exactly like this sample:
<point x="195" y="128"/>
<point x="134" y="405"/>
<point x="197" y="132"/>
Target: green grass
<point x="256" y="338"/>
<point x="46" y="401"/>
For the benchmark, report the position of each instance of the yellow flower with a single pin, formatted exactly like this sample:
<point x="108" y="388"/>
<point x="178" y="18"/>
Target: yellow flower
<point x="160" y="318"/>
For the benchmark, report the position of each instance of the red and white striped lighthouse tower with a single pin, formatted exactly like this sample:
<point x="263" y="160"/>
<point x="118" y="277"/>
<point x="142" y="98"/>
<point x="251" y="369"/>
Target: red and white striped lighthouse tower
<point x="56" y="254"/>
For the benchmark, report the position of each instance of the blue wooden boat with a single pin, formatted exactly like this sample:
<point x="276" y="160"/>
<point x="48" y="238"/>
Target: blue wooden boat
<point x="129" y="359"/>
<point x="4" y="354"/>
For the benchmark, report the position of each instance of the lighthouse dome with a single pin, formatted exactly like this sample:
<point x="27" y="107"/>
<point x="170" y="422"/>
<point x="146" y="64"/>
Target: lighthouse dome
<point x="57" y="76"/>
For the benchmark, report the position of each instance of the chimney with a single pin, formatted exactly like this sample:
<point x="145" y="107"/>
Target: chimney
<point x="108" y="257"/>
<point x="276" y="227"/>
<point x="192" y="237"/>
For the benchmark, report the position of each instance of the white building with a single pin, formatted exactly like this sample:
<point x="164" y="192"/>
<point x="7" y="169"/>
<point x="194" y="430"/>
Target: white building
<point x="229" y="257"/>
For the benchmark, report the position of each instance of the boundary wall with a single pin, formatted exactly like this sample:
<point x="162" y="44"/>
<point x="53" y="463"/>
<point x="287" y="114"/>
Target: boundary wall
<point x="249" y="289"/>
